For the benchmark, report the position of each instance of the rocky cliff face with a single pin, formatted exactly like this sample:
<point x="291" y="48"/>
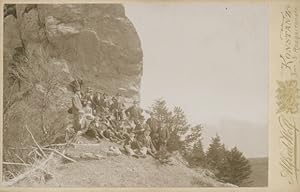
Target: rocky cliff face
<point x="96" y="42"/>
<point x="47" y="46"/>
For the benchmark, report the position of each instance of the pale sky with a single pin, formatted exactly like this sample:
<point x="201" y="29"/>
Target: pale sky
<point x="213" y="62"/>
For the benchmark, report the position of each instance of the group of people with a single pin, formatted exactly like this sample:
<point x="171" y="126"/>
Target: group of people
<point x="106" y="117"/>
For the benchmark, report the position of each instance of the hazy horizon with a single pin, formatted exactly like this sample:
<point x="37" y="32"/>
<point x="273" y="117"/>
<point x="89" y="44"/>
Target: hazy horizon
<point x="212" y="61"/>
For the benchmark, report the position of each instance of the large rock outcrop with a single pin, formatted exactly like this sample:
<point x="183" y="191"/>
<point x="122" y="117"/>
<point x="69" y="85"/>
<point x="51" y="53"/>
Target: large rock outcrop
<point x="97" y="42"/>
<point x="47" y="46"/>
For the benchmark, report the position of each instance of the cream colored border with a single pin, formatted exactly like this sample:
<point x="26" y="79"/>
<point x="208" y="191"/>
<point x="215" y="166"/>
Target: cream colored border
<point x="276" y="47"/>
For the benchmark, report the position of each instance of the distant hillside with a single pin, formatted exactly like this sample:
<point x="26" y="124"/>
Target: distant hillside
<point x="259" y="174"/>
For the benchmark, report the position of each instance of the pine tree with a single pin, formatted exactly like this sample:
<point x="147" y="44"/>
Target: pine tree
<point x="174" y="120"/>
<point x="215" y="154"/>
<point x="161" y="111"/>
<point x="198" y="158"/>
<point x="178" y="126"/>
<point x="193" y="148"/>
<point x="239" y="168"/>
<point x="223" y="168"/>
<point x="179" y="121"/>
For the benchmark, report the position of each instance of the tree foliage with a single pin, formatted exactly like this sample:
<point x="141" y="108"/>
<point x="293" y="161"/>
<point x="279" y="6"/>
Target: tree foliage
<point x="174" y="120"/>
<point x="238" y="168"/>
<point x="215" y="153"/>
<point x="193" y="148"/>
<point x="228" y="165"/>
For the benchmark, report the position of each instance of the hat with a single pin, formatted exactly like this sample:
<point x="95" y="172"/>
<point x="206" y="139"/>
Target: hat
<point x="74" y="86"/>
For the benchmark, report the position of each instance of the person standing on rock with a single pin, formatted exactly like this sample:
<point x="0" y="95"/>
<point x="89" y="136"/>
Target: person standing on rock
<point x="153" y="124"/>
<point x="77" y="108"/>
<point x="97" y="103"/>
<point x="164" y="136"/>
<point x="104" y="104"/>
<point x="117" y="107"/>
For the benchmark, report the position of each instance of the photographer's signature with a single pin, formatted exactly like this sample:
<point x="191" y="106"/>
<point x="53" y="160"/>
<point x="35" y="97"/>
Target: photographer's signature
<point x="287" y="94"/>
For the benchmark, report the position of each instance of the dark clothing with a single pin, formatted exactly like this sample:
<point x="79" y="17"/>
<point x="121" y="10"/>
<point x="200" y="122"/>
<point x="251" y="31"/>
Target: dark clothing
<point x="88" y="97"/>
<point x="134" y="113"/>
<point x="117" y="109"/>
<point x="164" y="133"/>
<point x="117" y="105"/>
<point x="76" y="103"/>
<point x="76" y="107"/>
<point x="104" y="102"/>
<point x="76" y="85"/>
<point x="141" y="128"/>
<point x="96" y="102"/>
<point x="153" y="124"/>
<point x="154" y="134"/>
<point x="95" y="131"/>
<point x="102" y="105"/>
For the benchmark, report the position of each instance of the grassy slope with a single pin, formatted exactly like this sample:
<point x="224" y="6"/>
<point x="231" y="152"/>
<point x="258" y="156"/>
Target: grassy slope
<point x="121" y="171"/>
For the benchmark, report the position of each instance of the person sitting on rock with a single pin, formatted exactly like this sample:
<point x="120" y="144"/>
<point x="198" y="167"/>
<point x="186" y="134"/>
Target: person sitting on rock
<point x="134" y="112"/>
<point x="96" y="129"/>
<point x="140" y="125"/>
<point x="118" y="129"/>
<point x="129" y="139"/>
<point x="127" y="126"/>
<point x="86" y="117"/>
<point x="145" y="143"/>
<point x="110" y="132"/>
<point x="87" y="107"/>
<point x="89" y="94"/>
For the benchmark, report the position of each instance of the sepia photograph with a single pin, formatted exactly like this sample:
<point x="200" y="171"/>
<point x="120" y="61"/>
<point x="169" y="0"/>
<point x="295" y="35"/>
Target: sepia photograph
<point x="135" y="95"/>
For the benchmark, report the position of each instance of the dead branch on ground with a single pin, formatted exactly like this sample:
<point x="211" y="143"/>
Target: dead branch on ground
<point x="35" y="141"/>
<point x="26" y="174"/>
<point x="13" y="163"/>
<point x="59" y="153"/>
